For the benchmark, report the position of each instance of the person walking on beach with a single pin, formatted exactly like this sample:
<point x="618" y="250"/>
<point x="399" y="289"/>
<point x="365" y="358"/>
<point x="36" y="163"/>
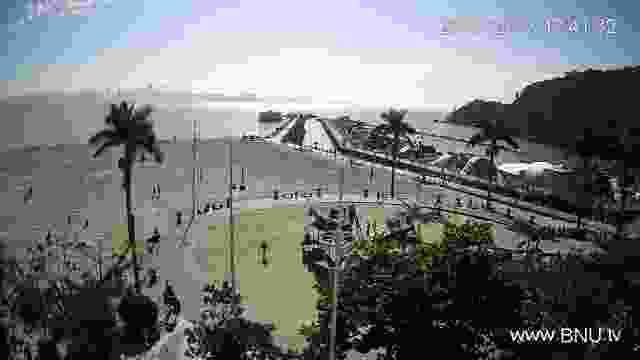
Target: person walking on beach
<point x="156" y="192"/>
<point x="370" y="175"/>
<point x="48" y="238"/>
<point x="28" y="196"/>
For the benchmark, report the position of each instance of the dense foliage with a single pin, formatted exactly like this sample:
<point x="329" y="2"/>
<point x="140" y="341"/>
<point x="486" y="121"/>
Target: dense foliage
<point x="222" y="332"/>
<point x="55" y="299"/>
<point x="464" y="300"/>
<point x="568" y="104"/>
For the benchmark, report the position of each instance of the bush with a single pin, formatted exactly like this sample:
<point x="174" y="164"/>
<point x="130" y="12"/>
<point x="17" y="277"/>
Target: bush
<point x="138" y="311"/>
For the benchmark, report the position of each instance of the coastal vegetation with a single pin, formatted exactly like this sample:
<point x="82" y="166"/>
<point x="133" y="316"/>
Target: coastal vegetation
<point x="424" y="275"/>
<point x="396" y="126"/>
<point x="492" y="131"/>
<point x="132" y="128"/>
<point x="568" y="104"/>
<point x="587" y="122"/>
<point x="471" y="298"/>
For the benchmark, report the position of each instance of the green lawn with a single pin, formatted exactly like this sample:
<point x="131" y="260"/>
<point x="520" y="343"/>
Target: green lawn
<point x="280" y="292"/>
<point x="120" y="241"/>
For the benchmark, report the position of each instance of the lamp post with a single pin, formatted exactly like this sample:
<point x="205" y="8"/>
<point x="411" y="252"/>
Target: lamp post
<point x="231" y="222"/>
<point x="337" y="250"/>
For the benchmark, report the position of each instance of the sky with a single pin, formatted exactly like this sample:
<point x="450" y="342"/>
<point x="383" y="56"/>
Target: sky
<point x="366" y="52"/>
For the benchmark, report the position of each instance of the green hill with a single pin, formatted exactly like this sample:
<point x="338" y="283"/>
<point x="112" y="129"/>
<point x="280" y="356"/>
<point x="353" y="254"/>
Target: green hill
<point x="595" y="99"/>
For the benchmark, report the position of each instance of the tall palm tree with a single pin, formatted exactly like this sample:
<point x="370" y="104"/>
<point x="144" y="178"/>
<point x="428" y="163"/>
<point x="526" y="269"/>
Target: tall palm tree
<point x="395" y="125"/>
<point x="622" y="148"/>
<point x="132" y="128"/>
<point x="587" y="147"/>
<point x="492" y="131"/>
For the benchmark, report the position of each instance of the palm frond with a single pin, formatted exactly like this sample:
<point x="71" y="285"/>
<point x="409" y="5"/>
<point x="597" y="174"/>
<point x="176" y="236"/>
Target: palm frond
<point x="409" y="129"/>
<point x="153" y="148"/>
<point x="478" y="138"/>
<point x="112" y="116"/>
<point x="102" y="136"/>
<point x="142" y="113"/>
<point x="509" y="140"/>
<point x="382" y="129"/>
<point x="102" y="148"/>
<point x="105" y="146"/>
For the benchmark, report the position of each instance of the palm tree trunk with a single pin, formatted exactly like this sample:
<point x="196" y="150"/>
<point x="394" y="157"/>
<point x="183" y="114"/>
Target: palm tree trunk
<point x="623" y="199"/>
<point x="130" y="218"/>
<point x="493" y="164"/>
<point x="396" y="139"/>
<point x="587" y="174"/>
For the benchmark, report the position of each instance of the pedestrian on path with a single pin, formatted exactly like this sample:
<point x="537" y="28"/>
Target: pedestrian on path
<point x="153" y="243"/>
<point x="169" y="296"/>
<point x="152" y="277"/>
<point x="172" y="302"/>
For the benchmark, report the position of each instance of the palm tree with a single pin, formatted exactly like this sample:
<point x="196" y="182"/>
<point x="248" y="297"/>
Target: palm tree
<point x="491" y="132"/>
<point x="133" y="129"/>
<point x="586" y="146"/>
<point x="621" y="150"/>
<point x="395" y="125"/>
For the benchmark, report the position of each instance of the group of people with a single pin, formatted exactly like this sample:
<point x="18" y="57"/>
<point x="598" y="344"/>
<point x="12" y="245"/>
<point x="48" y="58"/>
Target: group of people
<point x="209" y="208"/>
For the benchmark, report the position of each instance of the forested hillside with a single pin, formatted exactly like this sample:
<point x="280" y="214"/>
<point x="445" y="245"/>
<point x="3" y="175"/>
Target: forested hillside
<point x="556" y="111"/>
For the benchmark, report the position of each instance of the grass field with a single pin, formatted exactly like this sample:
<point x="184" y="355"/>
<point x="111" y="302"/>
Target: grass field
<point x="280" y="291"/>
<point x="120" y="241"/>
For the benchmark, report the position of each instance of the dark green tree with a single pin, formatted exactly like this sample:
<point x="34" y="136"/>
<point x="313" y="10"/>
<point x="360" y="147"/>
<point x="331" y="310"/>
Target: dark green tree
<point x="396" y="126"/>
<point x="492" y="131"/>
<point x="132" y="128"/>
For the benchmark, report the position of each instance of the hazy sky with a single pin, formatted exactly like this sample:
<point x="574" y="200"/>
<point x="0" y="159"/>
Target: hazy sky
<point x="369" y="52"/>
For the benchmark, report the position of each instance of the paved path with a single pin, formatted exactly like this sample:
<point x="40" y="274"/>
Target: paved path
<point x="178" y="263"/>
<point x="529" y="207"/>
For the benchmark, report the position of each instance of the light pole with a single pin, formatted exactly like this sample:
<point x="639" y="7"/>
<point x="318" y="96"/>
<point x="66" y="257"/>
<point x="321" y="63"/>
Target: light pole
<point x="338" y="250"/>
<point x="231" y="222"/>
<point x="341" y="185"/>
